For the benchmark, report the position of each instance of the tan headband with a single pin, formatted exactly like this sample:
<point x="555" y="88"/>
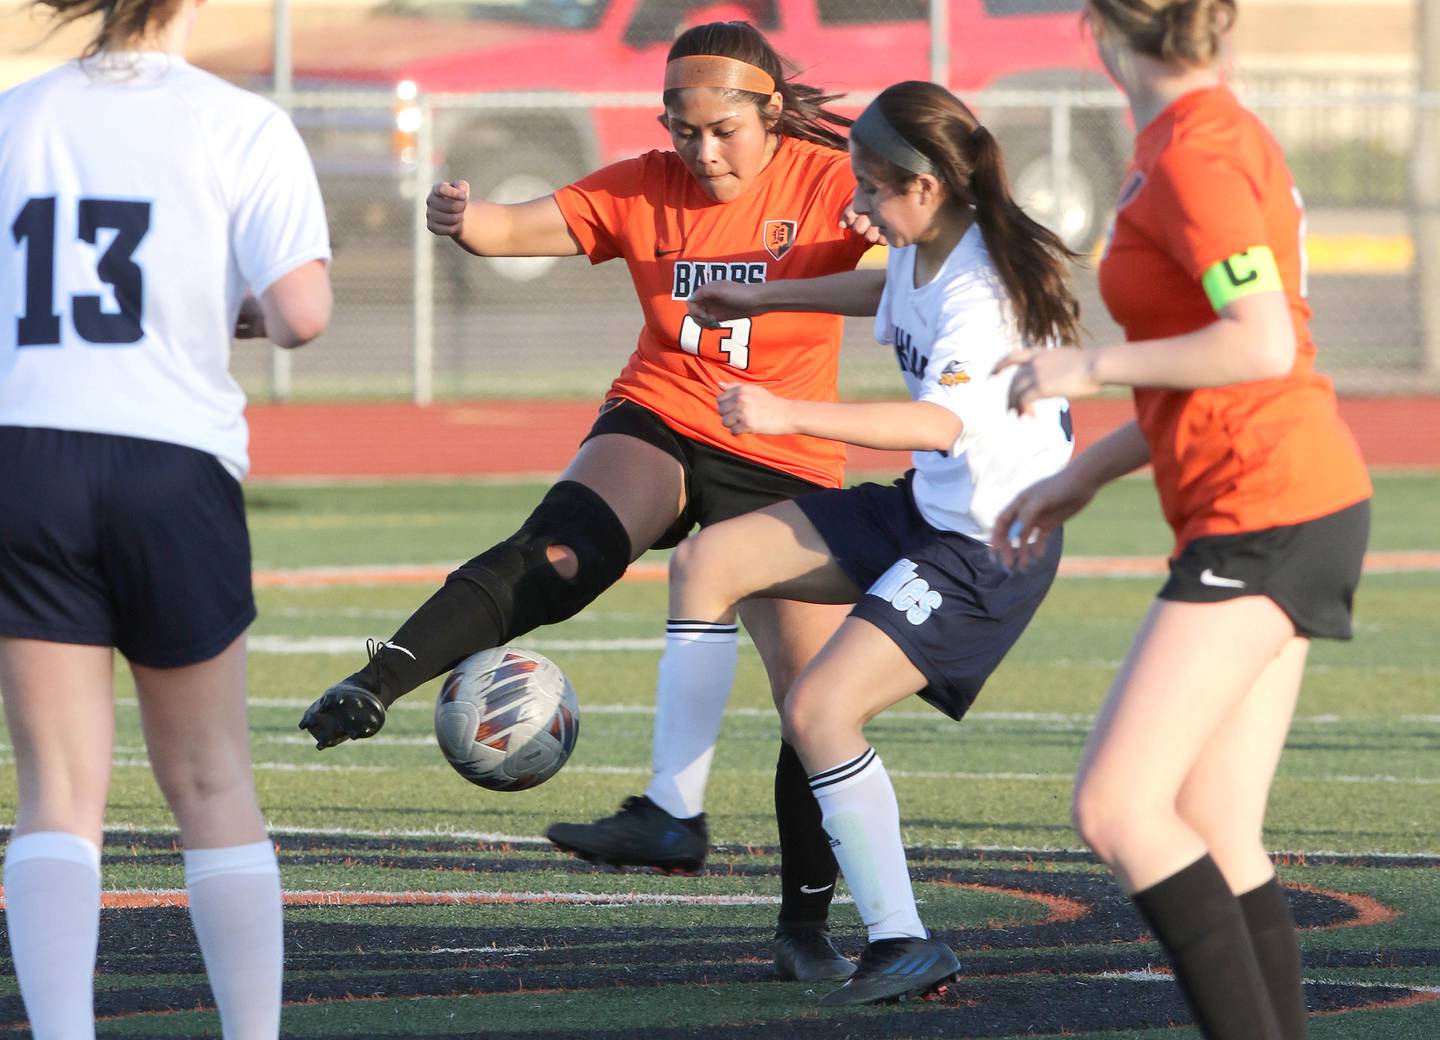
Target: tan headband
<point x="715" y="70"/>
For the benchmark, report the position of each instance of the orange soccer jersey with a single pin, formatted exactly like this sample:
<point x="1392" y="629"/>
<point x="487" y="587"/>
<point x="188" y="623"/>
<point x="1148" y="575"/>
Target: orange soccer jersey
<point x="1208" y="183"/>
<point x="650" y="211"/>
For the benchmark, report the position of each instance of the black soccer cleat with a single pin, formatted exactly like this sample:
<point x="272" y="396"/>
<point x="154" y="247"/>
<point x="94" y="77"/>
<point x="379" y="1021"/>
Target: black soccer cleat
<point x="897" y="969"/>
<point x="807" y="954"/>
<point x="641" y="834"/>
<point x="349" y="710"/>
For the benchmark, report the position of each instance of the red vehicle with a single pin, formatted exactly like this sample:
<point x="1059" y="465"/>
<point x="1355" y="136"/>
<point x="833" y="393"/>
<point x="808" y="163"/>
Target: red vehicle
<point x="568" y="48"/>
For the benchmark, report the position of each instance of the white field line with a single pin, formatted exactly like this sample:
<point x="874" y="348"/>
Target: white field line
<point x="141" y="761"/>
<point x="598" y="900"/>
<point x="336" y="645"/>
<point x="1053" y="719"/>
<point x="356" y="644"/>
<point x="1155" y="975"/>
<point x="501" y="838"/>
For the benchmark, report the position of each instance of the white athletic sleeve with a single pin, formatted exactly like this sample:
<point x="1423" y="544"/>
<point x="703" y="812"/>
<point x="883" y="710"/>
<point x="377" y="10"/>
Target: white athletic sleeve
<point x="279" y="219"/>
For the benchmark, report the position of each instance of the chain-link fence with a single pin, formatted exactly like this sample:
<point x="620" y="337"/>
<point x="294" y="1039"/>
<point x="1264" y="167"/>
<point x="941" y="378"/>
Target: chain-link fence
<point x="418" y="317"/>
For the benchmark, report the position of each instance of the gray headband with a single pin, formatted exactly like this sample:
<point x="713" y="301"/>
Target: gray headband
<point x="876" y="133"/>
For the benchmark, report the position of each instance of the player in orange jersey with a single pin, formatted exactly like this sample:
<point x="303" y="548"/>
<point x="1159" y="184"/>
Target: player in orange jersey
<point x="754" y="190"/>
<point x="1263" y="486"/>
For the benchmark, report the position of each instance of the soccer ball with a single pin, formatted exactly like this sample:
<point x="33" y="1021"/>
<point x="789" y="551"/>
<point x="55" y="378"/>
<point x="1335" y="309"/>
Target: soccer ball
<point x="507" y="719"/>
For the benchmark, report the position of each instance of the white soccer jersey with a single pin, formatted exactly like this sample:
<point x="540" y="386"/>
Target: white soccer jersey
<point x="141" y="198"/>
<point x="948" y="335"/>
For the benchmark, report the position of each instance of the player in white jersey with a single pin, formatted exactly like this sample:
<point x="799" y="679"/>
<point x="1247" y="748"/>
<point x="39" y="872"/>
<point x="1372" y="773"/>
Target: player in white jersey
<point x="143" y="200"/>
<point x="969" y="277"/>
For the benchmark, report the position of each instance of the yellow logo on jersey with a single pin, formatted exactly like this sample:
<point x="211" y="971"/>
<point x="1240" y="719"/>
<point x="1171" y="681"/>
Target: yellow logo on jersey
<point x="954" y="375"/>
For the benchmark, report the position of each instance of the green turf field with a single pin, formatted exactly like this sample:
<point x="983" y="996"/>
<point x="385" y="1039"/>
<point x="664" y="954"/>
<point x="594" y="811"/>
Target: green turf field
<point x="535" y="945"/>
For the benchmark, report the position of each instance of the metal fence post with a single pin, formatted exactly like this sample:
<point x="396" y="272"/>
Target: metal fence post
<point x="283" y="85"/>
<point x="1060" y="119"/>
<point x="1425" y="186"/>
<point x="940" y="42"/>
<point x="424" y="270"/>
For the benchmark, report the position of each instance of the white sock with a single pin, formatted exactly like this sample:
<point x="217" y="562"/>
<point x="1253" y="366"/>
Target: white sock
<point x="52" y="910"/>
<point x="235" y="908"/>
<point x="859" y="812"/>
<point x="696" y="673"/>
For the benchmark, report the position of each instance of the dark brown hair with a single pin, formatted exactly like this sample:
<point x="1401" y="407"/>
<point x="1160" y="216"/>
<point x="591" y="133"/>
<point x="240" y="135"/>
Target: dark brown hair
<point x="803" y="115"/>
<point x="121" y="20"/>
<point x="1185" y="32"/>
<point x="1033" y="263"/>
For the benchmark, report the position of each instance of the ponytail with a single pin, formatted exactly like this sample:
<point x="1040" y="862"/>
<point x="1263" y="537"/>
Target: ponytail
<point x="1032" y="261"/>
<point x="1177" y="32"/>
<point x="122" y="21"/>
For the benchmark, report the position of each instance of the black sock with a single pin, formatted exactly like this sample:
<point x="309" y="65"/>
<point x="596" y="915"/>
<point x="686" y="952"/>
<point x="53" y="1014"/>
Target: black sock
<point x="1277" y="948"/>
<point x="808" y="870"/>
<point x="1198" y="920"/>
<point x="457" y="621"/>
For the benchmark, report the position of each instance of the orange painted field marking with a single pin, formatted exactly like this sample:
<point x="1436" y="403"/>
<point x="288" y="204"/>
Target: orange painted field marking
<point x="1061" y="909"/>
<point x="1368" y="911"/>
<point x="1390" y="561"/>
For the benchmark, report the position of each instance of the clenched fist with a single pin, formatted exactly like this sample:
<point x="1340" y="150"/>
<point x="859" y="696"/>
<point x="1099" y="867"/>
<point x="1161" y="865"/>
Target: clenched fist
<point x="747" y="408"/>
<point x="445" y="208"/>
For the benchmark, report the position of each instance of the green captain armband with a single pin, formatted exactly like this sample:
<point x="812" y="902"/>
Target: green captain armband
<point x="1243" y="274"/>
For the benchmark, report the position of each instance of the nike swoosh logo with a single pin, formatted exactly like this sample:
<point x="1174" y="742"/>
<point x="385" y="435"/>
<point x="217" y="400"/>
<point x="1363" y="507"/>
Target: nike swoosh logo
<point x="816" y="891"/>
<point x="397" y="646"/>
<point x="1209" y="577"/>
<point x="666" y="252"/>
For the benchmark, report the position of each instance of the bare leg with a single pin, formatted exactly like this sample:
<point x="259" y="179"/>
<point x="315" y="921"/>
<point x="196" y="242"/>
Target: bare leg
<point x="1165" y="733"/>
<point x="59" y="709"/>
<point x="1224" y="800"/>
<point x="198" y="737"/>
<point x="616" y="498"/>
<point x="773" y="550"/>
<point x="1172" y="696"/>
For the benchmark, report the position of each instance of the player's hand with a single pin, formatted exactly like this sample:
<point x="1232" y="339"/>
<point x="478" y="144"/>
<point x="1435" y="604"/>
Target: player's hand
<point x="343" y="712"/>
<point x="1025" y="525"/>
<point x="859" y="224"/>
<point x="747" y="408"/>
<point x="1063" y="372"/>
<point x="445" y="208"/>
<point x="250" y="323"/>
<point x="715" y="302"/>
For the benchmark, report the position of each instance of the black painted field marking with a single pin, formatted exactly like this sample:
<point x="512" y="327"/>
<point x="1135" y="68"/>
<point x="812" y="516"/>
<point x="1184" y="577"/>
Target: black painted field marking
<point x="1086" y="965"/>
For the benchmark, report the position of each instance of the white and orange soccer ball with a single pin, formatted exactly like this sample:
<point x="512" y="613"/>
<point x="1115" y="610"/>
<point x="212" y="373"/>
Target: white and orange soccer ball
<point x="507" y="719"/>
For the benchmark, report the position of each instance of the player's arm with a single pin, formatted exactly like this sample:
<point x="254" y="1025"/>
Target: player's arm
<point x="534" y="228"/>
<point x="1121" y="451"/>
<point x="1252" y="338"/>
<point x="293" y="311"/>
<point x="891" y="425"/>
<point x="1024" y="526"/>
<point x="856" y="293"/>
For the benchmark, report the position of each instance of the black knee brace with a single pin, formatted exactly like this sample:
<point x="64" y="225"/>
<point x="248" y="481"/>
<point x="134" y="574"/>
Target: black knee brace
<point x="522" y="583"/>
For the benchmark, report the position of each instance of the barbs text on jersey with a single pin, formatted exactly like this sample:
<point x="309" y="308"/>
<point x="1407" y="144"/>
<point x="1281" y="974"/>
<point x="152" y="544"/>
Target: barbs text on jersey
<point x="691" y="274"/>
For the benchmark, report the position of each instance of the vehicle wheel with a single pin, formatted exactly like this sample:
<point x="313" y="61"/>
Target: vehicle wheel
<point x="1080" y="213"/>
<point x="508" y="173"/>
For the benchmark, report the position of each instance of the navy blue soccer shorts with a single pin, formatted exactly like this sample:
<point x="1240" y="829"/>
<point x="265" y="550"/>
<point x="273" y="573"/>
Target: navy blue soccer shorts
<point x="120" y="541"/>
<point x="941" y="596"/>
